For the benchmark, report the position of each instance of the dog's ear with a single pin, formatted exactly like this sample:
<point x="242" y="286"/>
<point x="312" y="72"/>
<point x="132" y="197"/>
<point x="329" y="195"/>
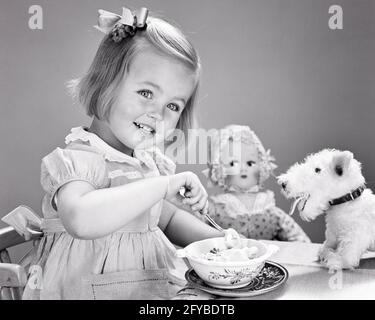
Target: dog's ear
<point x="341" y="162"/>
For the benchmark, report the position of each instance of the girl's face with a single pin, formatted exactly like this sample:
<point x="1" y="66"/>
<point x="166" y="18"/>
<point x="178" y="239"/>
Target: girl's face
<point x="150" y="99"/>
<point x="242" y="171"/>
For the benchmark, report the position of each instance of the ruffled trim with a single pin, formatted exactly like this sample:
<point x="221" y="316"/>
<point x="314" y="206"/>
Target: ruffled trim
<point x="153" y="158"/>
<point x="110" y="153"/>
<point x="253" y="189"/>
<point x="234" y="207"/>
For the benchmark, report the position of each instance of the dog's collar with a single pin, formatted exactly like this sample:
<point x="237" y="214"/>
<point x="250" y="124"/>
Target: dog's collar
<point x="348" y="197"/>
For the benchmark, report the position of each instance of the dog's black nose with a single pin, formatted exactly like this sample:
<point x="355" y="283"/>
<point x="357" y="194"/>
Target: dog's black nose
<point x="283" y="185"/>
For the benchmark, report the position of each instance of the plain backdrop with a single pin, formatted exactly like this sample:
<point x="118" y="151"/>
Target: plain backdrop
<point x="271" y="64"/>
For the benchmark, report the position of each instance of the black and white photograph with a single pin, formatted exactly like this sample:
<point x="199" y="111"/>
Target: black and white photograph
<point x="178" y="150"/>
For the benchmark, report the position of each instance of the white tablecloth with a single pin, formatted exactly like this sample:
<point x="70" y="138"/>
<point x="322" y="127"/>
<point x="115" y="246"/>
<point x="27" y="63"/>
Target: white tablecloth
<point x="309" y="280"/>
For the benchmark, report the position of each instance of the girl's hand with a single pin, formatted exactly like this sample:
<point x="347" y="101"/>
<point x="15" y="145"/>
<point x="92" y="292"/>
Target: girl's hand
<point x="195" y="195"/>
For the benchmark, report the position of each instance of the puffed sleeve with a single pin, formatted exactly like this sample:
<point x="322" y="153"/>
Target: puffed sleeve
<point x="65" y="165"/>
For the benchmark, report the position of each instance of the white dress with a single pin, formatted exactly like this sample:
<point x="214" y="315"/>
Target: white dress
<point x="135" y="262"/>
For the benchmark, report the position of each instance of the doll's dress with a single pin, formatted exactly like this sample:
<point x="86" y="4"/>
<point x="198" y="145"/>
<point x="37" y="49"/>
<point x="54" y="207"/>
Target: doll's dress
<point x="135" y="262"/>
<point x="264" y="220"/>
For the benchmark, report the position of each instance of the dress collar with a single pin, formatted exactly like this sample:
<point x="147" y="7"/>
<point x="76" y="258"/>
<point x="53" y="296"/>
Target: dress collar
<point x="253" y="189"/>
<point x="152" y="158"/>
<point x="110" y="153"/>
<point x="234" y="207"/>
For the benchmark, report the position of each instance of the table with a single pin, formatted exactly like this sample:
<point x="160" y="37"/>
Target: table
<point x="308" y="280"/>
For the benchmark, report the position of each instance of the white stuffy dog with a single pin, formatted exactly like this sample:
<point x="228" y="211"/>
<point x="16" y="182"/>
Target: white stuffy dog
<point x="331" y="182"/>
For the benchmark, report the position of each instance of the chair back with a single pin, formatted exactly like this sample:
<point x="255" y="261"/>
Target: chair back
<point x="13" y="276"/>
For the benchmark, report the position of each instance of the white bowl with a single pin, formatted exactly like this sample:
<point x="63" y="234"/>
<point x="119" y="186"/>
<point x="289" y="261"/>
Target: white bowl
<point x="226" y="274"/>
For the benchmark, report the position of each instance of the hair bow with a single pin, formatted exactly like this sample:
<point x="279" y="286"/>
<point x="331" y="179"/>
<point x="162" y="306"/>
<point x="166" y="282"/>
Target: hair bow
<point x="121" y="26"/>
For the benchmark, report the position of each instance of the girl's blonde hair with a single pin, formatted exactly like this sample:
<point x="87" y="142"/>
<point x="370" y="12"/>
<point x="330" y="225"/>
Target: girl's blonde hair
<point x="96" y="90"/>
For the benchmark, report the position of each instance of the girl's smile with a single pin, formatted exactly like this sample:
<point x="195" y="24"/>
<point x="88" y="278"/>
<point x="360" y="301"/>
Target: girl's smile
<point x="146" y="129"/>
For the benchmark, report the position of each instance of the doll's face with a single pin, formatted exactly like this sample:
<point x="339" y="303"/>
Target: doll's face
<point x="242" y="169"/>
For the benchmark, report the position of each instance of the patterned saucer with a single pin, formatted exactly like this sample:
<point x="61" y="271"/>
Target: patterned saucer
<point x="272" y="276"/>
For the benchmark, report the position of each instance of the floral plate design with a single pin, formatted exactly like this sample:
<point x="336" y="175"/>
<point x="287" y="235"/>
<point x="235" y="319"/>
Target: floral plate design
<point x="271" y="277"/>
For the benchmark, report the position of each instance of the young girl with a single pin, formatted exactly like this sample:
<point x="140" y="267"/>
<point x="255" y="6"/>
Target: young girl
<point x="240" y="165"/>
<point x="108" y="211"/>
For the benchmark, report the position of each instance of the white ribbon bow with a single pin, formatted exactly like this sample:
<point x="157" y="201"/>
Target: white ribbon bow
<point x="107" y="20"/>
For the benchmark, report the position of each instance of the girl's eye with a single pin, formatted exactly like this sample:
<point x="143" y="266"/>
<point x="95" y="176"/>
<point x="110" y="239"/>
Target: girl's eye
<point x="318" y="170"/>
<point x="250" y="163"/>
<point x="173" y="107"/>
<point x="145" y="93"/>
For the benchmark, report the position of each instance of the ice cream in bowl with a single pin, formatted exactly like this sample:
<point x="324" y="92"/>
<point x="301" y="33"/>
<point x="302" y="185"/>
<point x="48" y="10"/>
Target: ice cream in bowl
<point x="227" y="262"/>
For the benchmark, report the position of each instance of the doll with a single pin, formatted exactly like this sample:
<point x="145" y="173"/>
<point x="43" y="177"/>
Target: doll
<point x="240" y="165"/>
